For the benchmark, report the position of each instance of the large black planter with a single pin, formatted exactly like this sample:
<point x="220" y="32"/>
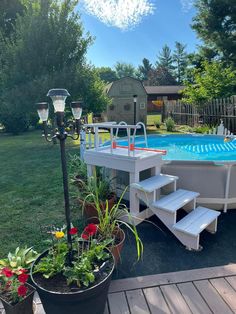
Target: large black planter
<point x="91" y="300"/>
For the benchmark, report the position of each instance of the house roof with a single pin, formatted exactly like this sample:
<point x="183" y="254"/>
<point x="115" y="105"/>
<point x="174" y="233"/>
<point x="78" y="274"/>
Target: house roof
<point x="109" y="86"/>
<point x="168" y="89"/>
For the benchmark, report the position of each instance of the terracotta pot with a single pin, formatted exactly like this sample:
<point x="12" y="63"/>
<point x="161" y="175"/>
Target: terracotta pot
<point x="23" y="307"/>
<point x="117" y="248"/>
<point x="90" y="210"/>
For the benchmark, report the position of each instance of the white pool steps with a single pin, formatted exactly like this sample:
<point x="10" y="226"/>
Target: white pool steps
<point x="175" y="200"/>
<point x="156" y="182"/>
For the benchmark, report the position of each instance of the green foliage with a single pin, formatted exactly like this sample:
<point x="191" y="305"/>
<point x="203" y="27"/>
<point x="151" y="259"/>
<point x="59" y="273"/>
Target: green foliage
<point x="106" y="74"/>
<point x="180" y="62"/>
<point x="215" y="24"/>
<point x="144" y="69"/>
<point x="77" y="168"/>
<point x="214" y="80"/>
<point x="170" y="124"/>
<point x="21" y="258"/>
<point x="165" y="59"/>
<point x="46" y="50"/>
<point x="157" y="124"/>
<point x="110" y="218"/>
<point x="160" y="76"/>
<point x="125" y="69"/>
<point x="54" y="262"/>
<point x="201" y="129"/>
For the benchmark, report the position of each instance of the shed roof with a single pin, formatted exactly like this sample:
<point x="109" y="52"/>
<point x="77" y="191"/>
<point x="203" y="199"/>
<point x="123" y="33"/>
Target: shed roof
<point x="168" y="89"/>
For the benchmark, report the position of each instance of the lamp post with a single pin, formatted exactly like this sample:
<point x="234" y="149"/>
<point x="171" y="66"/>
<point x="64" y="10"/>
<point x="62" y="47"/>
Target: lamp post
<point x="58" y="97"/>
<point x="135" y="103"/>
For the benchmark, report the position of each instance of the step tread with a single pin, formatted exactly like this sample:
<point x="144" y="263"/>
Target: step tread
<point x="156" y="182"/>
<point x="175" y="200"/>
<point x="196" y="221"/>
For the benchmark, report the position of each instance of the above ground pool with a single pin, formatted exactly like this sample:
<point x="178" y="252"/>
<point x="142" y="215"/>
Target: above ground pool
<point x="190" y="146"/>
<point x="203" y="163"/>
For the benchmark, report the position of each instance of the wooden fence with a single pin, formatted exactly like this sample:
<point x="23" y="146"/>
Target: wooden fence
<point x="210" y="114"/>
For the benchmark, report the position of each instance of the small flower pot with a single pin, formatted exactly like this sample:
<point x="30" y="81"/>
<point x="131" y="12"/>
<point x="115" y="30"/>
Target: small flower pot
<point x="117" y="247"/>
<point x="89" y="300"/>
<point x="23" y="307"/>
<point x="90" y="208"/>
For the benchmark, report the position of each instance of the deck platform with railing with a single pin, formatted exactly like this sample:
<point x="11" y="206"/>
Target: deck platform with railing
<point x="198" y="291"/>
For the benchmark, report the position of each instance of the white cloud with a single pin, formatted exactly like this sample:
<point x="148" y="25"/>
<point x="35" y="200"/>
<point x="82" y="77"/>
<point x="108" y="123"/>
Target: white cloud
<point x="124" y="14"/>
<point x="186" y="4"/>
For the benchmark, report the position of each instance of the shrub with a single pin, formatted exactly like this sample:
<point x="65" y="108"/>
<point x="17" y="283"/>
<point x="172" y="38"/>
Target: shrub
<point x="170" y="125"/>
<point x="202" y="129"/>
<point x="158" y="124"/>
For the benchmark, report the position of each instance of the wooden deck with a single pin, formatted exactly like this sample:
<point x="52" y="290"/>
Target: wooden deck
<point x="206" y="290"/>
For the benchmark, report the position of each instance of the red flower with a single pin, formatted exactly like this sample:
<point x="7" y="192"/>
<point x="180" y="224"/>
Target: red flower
<point x="7" y="272"/>
<point x="84" y="236"/>
<point x="91" y="229"/>
<point x="23" y="278"/>
<point x="22" y="290"/>
<point x="73" y="231"/>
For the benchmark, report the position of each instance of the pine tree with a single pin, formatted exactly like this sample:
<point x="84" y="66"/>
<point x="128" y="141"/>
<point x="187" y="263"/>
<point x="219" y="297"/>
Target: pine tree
<point x="165" y="59"/>
<point x="180" y="61"/>
<point x="144" y="69"/>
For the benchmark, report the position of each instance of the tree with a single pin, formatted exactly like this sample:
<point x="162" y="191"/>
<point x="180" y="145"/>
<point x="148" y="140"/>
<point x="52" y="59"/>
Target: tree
<point x="165" y="59"/>
<point x="47" y="50"/>
<point x="8" y="14"/>
<point x="125" y="69"/>
<point x="160" y="76"/>
<point x="213" y="81"/>
<point x="215" y="24"/>
<point x="107" y="74"/>
<point x="144" y="69"/>
<point x="180" y="61"/>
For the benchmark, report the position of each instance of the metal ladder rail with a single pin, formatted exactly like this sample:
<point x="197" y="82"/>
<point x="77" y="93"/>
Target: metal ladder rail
<point x="144" y="133"/>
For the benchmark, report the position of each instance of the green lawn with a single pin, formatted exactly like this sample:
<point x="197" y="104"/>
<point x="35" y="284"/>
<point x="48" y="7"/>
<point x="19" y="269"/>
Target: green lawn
<point x="31" y="189"/>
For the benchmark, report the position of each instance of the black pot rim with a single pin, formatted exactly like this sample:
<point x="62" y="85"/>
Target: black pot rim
<point x="70" y="293"/>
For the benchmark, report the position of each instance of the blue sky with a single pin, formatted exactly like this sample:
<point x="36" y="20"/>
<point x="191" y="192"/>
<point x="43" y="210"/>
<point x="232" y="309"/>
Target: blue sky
<point x="131" y="38"/>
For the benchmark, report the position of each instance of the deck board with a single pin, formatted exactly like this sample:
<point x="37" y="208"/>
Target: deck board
<point x="137" y="302"/>
<point x="193" y="298"/>
<point x="118" y="303"/>
<point x="156" y="301"/>
<point x="213" y="299"/>
<point x="175" y="300"/>
<point x="226" y="292"/>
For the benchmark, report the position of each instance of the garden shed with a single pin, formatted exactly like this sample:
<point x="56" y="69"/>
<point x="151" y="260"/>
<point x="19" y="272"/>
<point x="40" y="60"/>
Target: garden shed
<point x="123" y="104"/>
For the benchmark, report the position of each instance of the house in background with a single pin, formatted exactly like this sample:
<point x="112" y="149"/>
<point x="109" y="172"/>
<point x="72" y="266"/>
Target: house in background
<point x="122" y="108"/>
<point x="158" y="94"/>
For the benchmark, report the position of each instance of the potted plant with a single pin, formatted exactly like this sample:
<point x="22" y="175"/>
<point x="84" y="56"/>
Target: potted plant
<point x="95" y="187"/>
<point x="78" y="283"/>
<point x="110" y="221"/>
<point x="16" y="293"/>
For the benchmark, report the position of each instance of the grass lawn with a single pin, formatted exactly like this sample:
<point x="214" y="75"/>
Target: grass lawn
<point x="31" y="189"/>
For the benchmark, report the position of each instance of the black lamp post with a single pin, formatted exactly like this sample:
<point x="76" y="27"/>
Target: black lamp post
<point x="135" y="103"/>
<point x="58" y="97"/>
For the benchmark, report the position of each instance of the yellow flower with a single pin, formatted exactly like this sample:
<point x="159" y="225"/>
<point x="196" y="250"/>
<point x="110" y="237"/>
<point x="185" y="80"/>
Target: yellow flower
<point x="59" y="234"/>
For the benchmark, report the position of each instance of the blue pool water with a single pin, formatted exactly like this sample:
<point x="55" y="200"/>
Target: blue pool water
<point x="190" y="147"/>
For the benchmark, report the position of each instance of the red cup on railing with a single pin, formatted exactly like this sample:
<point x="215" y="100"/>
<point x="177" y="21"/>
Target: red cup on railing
<point x="113" y="145"/>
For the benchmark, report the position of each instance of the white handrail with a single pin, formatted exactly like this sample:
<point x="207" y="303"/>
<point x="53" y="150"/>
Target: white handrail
<point x="144" y="133"/>
<point x="117" y="130"/>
